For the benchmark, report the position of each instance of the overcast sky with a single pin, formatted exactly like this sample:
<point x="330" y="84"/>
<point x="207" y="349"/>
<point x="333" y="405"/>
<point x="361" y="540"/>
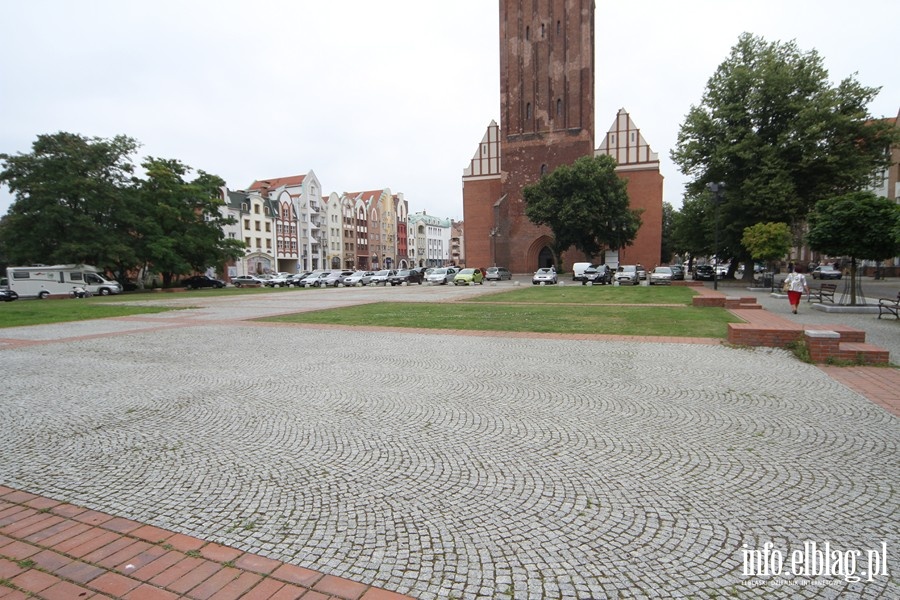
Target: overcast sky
<point x="368" y="95"/>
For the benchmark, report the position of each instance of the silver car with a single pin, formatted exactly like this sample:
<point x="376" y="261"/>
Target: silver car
<point x="360" y="277"/>
<point x="440" y="276"/>
<point x="315" y="279"/>
<point x="661" y="276"/>
<point x="546" y="276"/>
<point x="381" y="277"/>
<point x="497" y="274"/>
<point x="628" y="274"/>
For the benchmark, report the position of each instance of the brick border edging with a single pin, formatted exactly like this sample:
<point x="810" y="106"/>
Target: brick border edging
<point x="67" y="547"/>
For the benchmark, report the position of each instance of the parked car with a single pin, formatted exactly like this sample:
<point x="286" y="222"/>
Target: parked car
<point x="826" y="272"/>
<point x="333" y="278"/>
<point x="677" y="272"/>
<point x="469" y="277"/>
<point x="578" y="270"/>
<point x="279" y="280"/>
<point x="315" y="278"/>
<point x="661" y="276"/>
<point x="297" y="278"/>
<point x="382" y="276"/>
<point x="498" y="274"/>
<point x="628" y="274"/>
<point x="358" y="277"/>
<point x="440" y="276"/>
<point x="642" y="272"/>
<point x="545" y="275"/>
<point x="8" y="295"/>
<point x="407" y="276"/>
<point x="202" y="281"/>
<point x="597" y="275"/>
<point x="246" y="281"/>
<point x="705" y="273"/>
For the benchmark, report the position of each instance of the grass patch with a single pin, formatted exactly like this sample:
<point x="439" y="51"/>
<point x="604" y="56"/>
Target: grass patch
<point x="686" y="321"/>
<point x="594" y="294"/>
<point x="40" y="312"/>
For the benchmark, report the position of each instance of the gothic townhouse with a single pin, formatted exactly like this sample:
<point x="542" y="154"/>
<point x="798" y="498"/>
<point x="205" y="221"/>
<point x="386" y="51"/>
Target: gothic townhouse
<point x="288" y="226"/>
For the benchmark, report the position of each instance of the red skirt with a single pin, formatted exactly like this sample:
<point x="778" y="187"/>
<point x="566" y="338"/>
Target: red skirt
<point x="794" y="297"/>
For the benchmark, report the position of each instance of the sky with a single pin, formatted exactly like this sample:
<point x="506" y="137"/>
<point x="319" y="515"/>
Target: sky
<point x="370" y="95"/>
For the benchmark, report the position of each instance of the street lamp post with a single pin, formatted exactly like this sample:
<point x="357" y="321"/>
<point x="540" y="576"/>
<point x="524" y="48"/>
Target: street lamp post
<point x="495" y="231"/>
<point x="718" y="194"/>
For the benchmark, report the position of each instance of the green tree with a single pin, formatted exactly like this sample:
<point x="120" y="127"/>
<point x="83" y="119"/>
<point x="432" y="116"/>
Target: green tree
<point x="773" y="128"/>
<point x="667" y="249"/>
<point x="585" y="204"/>
<point x="179" y="229"/>
<point x="692" y="228"/>
<point x="71" y="195"/>
<point x="768" y="242"/>
<point x="860" y="225"/>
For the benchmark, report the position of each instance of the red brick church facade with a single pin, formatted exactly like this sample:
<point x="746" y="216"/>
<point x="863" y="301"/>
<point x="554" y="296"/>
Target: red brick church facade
<point x="547" y="120"/>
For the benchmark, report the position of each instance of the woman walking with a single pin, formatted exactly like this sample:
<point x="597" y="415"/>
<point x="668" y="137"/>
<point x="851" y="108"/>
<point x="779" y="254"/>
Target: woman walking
<point x="795" y="286"/>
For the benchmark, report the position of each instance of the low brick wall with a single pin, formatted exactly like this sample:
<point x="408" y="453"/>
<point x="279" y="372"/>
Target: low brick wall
<point x="748" y="334"/>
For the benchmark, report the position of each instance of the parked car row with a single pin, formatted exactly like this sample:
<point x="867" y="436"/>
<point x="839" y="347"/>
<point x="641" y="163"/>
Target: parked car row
<point x="331" y="278"/>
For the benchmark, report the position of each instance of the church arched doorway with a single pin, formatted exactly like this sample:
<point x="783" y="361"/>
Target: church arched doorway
<point x="545" y="258"/>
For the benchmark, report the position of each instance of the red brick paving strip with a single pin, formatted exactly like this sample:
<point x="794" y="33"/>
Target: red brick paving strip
<point x="59" y="551"/>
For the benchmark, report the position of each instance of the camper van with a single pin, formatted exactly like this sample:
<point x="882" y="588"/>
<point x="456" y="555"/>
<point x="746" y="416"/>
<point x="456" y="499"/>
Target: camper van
<point x="42" y="281"/>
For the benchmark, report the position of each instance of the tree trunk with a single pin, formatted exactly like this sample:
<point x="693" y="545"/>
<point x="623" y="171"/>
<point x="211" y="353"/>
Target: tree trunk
<point x="852" y="281"/>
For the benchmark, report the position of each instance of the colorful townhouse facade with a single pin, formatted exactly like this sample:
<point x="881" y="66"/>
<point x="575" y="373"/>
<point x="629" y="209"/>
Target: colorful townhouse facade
<point x="287" y="225"/>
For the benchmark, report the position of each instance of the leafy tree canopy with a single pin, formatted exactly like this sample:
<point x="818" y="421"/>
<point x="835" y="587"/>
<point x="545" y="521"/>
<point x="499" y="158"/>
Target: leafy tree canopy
<point x="772" y="128"/>
<point x="69" y="195"/>
<point x="585" y="204"/>
<point x="767" y="241"/>
<point x="859" y="225"/>
<point x="77" y="200"/>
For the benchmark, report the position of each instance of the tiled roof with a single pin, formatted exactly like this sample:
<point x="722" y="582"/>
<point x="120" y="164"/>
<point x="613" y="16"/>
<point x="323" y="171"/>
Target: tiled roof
<point x="277" y="182"/>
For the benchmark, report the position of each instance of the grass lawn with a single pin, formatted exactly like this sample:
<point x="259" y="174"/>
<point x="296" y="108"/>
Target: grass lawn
<point x="682" y="321"/>
<point x="38" y="312"/>
<point x="594" y="294"/>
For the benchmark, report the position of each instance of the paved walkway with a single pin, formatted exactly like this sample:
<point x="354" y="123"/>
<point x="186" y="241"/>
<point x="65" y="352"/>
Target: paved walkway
<point x="424" y="463"/>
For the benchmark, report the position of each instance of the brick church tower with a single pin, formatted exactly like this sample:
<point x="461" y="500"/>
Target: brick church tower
<point x="547" y="120"/>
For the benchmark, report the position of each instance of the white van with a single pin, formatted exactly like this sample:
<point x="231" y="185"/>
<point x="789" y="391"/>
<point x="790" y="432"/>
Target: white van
<point x="42" y="281"/>
<point x="578" y="270"/>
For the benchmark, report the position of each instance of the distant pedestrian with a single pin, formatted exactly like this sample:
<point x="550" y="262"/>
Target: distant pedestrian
<point x="795" y="285"/>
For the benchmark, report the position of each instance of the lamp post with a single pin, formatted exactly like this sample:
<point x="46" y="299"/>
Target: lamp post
<point x="718" y="194"/>
<point x="495" y="231"/>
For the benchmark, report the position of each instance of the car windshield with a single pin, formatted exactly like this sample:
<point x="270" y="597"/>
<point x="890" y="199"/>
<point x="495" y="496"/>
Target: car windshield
<point x="663" y="270"/>
<point x="439" y="272"/>
<point x="544" y="271"/>
<point x="466" y="272"/>
<point x="493" y="270"/>
<point x="627" y="269"/>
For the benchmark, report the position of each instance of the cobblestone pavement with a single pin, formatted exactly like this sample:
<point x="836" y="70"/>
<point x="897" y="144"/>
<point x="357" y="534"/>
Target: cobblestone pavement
<point x="451" y="466"/>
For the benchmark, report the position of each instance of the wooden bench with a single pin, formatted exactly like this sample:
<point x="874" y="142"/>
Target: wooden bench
<point x="825" y="292"/>
<point x="891" y="307"/>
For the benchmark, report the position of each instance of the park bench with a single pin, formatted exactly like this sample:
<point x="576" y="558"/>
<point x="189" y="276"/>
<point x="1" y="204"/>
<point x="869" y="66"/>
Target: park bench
<point x="823" y="293"/>
<point x="889" y="306"/>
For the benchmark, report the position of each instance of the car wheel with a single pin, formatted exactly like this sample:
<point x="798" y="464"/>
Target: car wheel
<point x="43" y="295"/>
<point x="104" y="292"/>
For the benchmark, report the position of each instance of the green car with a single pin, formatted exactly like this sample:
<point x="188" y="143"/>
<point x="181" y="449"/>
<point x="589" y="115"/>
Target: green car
<point x="469" y="277"/>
